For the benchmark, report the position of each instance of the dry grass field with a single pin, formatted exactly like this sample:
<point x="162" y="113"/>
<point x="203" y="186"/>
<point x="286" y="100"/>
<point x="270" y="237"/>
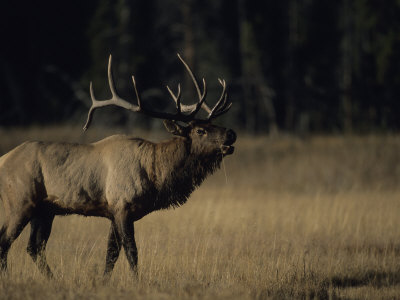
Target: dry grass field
<point x="284" y="218"/>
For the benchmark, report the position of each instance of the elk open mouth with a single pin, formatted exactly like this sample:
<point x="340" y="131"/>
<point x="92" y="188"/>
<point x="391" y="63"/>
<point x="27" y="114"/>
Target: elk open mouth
<point x="227" y="149"/>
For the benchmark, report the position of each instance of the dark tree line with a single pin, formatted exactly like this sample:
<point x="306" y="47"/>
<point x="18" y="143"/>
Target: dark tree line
<point x="298" y="66"/>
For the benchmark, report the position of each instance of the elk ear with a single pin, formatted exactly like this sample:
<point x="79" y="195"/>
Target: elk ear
<point x="174" y="128"/>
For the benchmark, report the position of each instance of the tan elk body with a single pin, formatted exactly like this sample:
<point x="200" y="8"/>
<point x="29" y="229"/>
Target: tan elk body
<point x="121" y="178"/>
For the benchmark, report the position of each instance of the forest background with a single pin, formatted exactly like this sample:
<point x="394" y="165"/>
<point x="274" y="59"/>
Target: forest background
<point x="292" y="66"/>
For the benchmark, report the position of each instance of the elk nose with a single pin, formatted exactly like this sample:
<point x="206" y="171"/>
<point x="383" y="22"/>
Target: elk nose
<point x="230" y="136"/>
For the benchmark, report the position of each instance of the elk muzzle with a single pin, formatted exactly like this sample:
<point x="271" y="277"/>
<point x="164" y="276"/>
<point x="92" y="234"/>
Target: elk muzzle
<point x="226" y="147"/>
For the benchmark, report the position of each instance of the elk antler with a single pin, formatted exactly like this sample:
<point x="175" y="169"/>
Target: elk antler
<point x="219" y="108"/>
<point x="185" y="113"/>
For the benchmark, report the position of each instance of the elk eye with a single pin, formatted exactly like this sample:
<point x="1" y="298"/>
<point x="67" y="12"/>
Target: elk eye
<point x="200" y="131"/>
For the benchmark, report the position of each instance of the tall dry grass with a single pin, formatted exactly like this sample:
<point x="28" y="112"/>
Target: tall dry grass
<point x="289" y="218"/>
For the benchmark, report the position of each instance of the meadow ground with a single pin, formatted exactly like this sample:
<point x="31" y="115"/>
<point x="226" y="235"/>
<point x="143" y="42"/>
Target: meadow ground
<point x="284" y="218"/>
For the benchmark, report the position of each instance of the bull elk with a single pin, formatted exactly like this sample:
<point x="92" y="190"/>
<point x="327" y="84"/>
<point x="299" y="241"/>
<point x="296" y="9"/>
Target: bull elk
<point x="121" y="178"/>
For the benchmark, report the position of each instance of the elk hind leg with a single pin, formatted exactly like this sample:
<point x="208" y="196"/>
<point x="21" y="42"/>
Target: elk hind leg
<point x="3" y="250"/>
<point x="40" y="233"/>
<point x="8" y="234"/>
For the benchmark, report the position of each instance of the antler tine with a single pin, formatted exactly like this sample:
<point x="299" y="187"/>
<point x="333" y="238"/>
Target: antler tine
<point x="111" y="78"/>
<point x="222" y="111"/>
<point x="136" y="92"/>
<point x="177" y="97"/>
<point x="90" y="113"/>
<point x="221" y="106"/>
<point x="191" y="75"/>
<point x="201" y="95"/>
<point x="222" y="99"/>
<point x="224" y="104"/>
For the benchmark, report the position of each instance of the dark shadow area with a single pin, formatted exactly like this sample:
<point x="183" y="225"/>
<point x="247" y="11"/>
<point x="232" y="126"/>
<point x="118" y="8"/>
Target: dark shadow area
<point x="371" y="278"/>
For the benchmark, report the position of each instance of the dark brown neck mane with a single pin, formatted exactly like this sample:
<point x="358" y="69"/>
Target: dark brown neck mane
<point x="179" y="171"/>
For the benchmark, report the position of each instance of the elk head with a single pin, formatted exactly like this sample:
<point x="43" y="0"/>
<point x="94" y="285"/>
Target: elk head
<point x="204" y="137"/>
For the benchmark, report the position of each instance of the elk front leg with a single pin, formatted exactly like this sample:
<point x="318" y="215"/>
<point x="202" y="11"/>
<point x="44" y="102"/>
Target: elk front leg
<point x="113" y="249"/>
<point x="129" y="243"/>
<point x="127" y="233"/>
<point x="40" y="233"/>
